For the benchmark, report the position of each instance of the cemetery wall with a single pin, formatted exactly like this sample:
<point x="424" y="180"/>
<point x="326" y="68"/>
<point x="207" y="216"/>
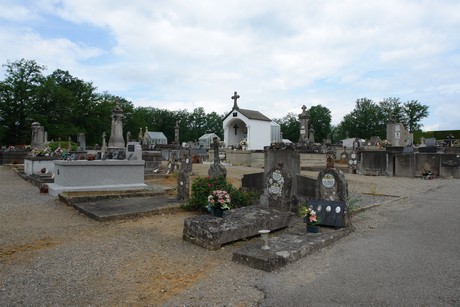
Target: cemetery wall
<point x="8" y="157"/>
<point x="404" y="165"/>
<point x="238" y="157"/>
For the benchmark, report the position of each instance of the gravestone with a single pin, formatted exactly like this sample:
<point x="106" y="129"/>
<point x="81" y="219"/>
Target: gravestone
<point x="133" y="151"/>
<point x="116" y="131"/>
<point x="277" y="190"/>
<point x="332" y="185"/>
<point x="104" y="145"/>
<point x="81" y="142"/>
<point x="216" y="169"/>
<point x="281" y="168"/>
<point x="38" y="135"/>
<point x="303" y="118"/>
<point x="331" y="197"/>
<point x="183" y="179"/>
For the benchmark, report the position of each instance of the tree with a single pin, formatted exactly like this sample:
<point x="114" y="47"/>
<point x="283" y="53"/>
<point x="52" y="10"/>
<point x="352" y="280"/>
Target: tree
<point x="64" y="105"/>
<point x="364" y="121"/>
<point x="320" y="121"/>
<point x="415" y="112"/>
<point x="17" y="95"/>
<point x="290" y="126"/>
<point x="392" y="109"/>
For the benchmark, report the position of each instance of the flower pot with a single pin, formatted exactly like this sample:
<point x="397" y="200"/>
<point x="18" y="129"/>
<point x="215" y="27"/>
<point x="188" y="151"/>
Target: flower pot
<point x="217" y="212"/>
<point x="313" y="228"/>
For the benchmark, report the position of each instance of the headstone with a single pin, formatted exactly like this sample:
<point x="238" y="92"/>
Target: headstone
<point x="38" y="135"/>
<point x="116" y="131"/>
<point x="277" y="189"/>
<point x="104" y="145"/>
<point x="311" y="136"/>
<point x="133" y="151"/>
<point x="176" y="133"/>
<point x="81" y="142"/>
<point x="303" y="118"/>
<point x="183" y="179"/>
<point x="331" y="185"/>
<point x="430" y="142"/>
<point x="331" y="197"/>
<point x="216" y="169"/>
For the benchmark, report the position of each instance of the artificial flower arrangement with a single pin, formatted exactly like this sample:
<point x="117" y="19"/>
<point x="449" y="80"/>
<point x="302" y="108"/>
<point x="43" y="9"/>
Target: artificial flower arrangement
<point x="243" y="142"/>
<point x="219" y="199"/>
<point x="309" y="216"/>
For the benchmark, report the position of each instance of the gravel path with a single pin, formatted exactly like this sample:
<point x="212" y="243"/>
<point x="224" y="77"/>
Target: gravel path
<point x="52" y="255"/>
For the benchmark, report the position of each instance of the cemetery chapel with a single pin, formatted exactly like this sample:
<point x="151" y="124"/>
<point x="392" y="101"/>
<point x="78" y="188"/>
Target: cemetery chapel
<point x="249" y="127"/>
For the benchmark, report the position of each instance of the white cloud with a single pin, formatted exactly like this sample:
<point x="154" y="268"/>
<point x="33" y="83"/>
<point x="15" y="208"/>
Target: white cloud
<point x="279" y="55"/>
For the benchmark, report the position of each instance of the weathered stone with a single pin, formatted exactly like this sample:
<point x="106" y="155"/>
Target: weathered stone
<point x="277" y="190"/>
<point x="212" y="232"/>
<point x="286" y="248"/>
<point x="116" y="133"/>
<point x="331" y="185"/>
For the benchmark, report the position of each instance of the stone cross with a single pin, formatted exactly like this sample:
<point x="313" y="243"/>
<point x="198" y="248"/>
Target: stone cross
<point x="176" y="133"/>
<point x="215" y="147"/>
<point x="235" y="98"/>
<point x="449" y="140"/>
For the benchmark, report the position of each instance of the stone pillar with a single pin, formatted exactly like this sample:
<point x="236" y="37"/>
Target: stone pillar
<point x="81" y="142"/>
<point x="303" y="118"/>
<point x="38" y="135"/>
<point x="116" y="133"/>
<point x="176" y="133"/>
<point x="183" y="179"/>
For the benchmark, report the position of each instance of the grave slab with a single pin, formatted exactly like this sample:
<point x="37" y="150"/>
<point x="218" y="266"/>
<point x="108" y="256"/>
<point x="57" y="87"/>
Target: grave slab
<point x="115" y="209"/>
<point x="287" y="247"/>
<point x="212" y="232"/>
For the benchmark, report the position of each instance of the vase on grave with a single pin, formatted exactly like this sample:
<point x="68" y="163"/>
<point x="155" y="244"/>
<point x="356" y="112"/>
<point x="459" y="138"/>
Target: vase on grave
<point x="217" y="211"/>
<point x="312" y="228"/>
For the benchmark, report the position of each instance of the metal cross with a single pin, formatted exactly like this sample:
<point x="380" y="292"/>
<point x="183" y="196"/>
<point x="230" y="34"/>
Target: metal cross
<point x="236" y="128"/>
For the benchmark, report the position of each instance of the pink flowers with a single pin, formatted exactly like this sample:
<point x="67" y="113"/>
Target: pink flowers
<point x="219" y="198"/>
<point x="310" y="216"/>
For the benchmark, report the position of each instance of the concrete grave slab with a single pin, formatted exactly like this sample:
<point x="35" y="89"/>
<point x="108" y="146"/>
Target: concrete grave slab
<point x="287" y="247"/>
<point x="212" y="232"/>
<point x="115" y="209"/>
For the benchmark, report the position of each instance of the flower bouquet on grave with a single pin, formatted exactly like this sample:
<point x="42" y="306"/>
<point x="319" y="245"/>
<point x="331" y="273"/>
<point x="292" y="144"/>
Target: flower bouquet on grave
<point x="218" y="201"/>
<point x="311" y="219"/>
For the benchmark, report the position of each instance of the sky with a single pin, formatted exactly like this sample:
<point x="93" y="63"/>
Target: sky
<point x="278" y="55"/>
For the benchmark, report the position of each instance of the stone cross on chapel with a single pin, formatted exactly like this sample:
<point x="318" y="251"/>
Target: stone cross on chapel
<point x="235" y="98"/>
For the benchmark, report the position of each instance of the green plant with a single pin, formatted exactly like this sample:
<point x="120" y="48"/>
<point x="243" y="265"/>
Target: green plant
<point x="242" y="197"/>
<point x="201" y="188"/>
<point x="373" y="189"/>
<point x="351" y="202"/>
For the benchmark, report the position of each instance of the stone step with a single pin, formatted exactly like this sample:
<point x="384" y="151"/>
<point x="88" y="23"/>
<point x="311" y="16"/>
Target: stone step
<point x="287" y="247"/>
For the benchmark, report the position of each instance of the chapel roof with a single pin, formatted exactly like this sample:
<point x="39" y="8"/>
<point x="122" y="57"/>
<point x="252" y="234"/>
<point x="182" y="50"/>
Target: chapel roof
<point x="250" y="114"/>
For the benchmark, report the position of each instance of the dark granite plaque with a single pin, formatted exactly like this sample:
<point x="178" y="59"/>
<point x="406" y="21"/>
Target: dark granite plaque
<point x="330" y="212"/>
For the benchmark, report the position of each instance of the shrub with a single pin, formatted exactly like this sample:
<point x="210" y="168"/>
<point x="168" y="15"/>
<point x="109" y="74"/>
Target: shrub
<point x="202" y="187"/>
<point x="243" y="197"/>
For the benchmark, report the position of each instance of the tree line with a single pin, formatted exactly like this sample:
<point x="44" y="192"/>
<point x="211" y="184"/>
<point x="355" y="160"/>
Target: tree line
<point x="66" y="105"/>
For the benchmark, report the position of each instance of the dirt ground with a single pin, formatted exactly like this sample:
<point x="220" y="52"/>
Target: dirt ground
<point x="52" y="255"/>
